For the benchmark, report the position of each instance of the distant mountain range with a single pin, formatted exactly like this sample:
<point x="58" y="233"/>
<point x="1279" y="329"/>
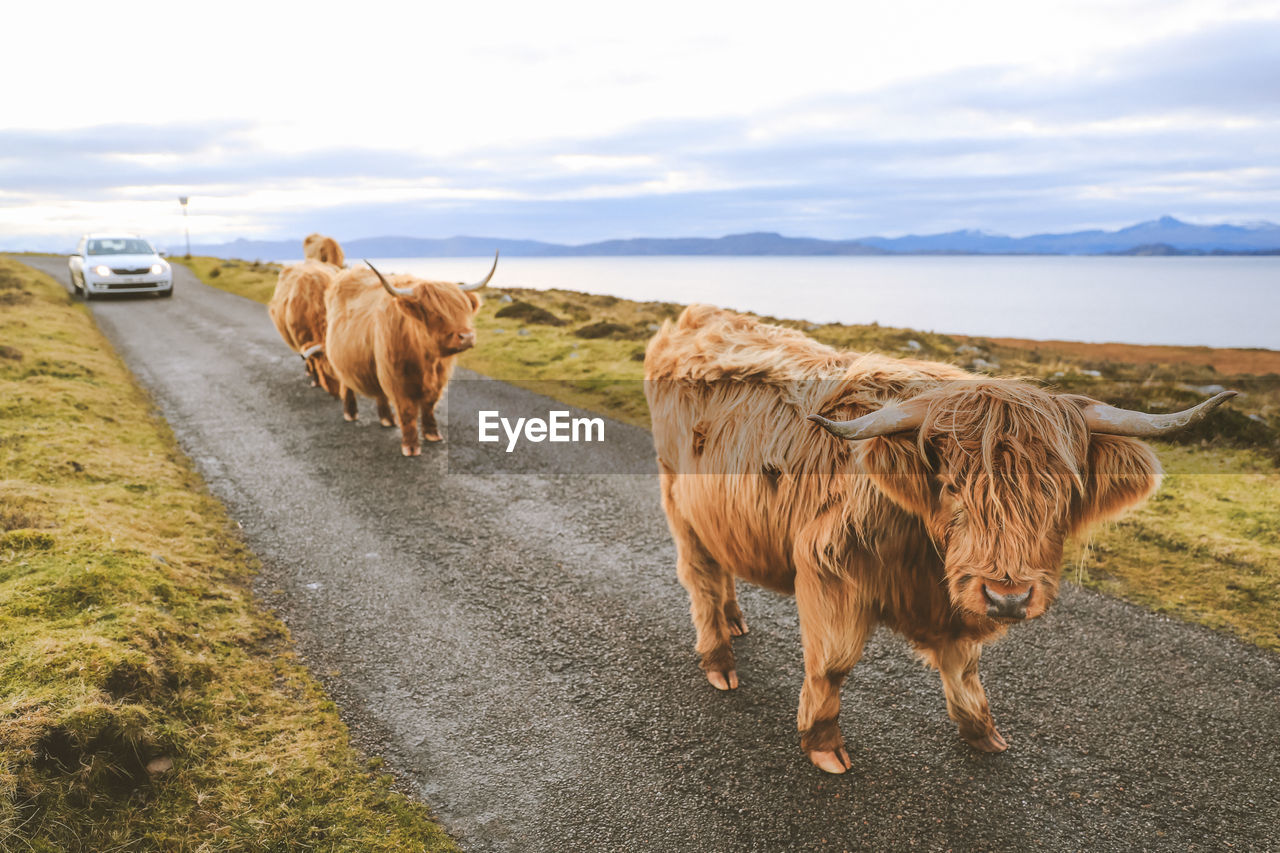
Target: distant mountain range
<point x="1164" y="236"/>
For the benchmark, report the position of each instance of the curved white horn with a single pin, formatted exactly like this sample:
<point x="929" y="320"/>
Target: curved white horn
<point x="482" y="283"/>
<point x="1108" y="420"/>
<point x="394" y="291"/>
<point x="312" y="351"/>
<point x="893" y="418"/>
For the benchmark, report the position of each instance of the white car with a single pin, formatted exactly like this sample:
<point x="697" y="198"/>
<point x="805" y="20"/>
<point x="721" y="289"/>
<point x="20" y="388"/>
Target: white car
<point x="119" y="263"/>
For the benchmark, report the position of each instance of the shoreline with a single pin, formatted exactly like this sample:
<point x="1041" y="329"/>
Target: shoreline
<point x="1231" y="361"/>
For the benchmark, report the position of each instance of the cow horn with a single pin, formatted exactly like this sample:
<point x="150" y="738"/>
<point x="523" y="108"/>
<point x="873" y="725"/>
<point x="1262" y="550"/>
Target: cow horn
<point x="312" y="351"/>
<point x="394" y="291"/>
<point x="892" y="418"/>
<point x="480" y="284"/>
<point x="1108" y="420"/>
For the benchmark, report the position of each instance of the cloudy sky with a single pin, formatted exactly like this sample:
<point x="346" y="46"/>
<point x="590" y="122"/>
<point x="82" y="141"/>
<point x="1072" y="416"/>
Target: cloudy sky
<point x="573" y="122"/>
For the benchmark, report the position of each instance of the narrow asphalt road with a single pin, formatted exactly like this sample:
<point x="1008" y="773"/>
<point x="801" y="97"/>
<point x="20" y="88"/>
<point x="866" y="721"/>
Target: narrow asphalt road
<point x="513" y="638"/>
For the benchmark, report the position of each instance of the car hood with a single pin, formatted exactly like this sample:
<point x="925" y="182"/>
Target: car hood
<point x="122" y="261"/>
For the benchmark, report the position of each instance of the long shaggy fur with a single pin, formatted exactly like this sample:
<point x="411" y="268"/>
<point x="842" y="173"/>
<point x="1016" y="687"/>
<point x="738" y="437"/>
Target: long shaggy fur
<point x="399" y="350"/>
<point x="321" y="248"/>
<point x="901" y="530"/>
<point x="297" y="309"/>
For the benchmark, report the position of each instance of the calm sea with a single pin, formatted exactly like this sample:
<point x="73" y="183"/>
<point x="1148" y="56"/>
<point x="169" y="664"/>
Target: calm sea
<point x="1220" y="302"/>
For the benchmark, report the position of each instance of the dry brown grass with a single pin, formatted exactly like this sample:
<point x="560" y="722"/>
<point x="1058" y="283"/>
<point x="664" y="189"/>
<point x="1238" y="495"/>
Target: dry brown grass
<point x="1227" y="362"/>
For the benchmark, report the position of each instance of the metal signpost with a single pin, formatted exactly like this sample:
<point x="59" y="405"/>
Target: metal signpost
<point x="182" y="199"/>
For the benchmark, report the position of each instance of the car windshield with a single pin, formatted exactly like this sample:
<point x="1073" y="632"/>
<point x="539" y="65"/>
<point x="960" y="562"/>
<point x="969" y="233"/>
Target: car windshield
<point x="120" y="246"/>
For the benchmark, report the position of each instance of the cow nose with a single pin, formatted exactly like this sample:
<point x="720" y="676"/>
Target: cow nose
<point x="460" y="341"/>
<point x="1006" y="605"/>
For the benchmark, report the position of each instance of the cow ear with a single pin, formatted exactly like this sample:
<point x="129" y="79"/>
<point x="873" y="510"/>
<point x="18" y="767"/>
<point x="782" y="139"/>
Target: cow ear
<point x="476" y="302"/>
<point x="1122" y="473"/>
<point x="900" y="470"/>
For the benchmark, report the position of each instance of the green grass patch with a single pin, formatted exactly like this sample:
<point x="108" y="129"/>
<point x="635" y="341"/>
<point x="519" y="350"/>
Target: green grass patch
<point x="1204" y="549"/>
<point x="146" y="701"/>
<point x="593" y="358"/>
<point x="251" y="279"/>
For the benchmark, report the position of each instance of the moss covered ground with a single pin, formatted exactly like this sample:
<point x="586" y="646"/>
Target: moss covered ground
<point x="147" y="701"/>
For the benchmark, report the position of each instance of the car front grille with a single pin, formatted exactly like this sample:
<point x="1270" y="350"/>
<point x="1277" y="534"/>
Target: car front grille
<point x="138" y="271"/>
<point x="132" y="285"/>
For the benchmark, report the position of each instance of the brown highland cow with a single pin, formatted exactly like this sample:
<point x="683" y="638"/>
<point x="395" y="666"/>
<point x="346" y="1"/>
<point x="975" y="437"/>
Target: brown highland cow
<point x="939" y="509"/>
<point x="396" y="341"/>
<point x="321" y="248"/>
<point x="297" y="309"/>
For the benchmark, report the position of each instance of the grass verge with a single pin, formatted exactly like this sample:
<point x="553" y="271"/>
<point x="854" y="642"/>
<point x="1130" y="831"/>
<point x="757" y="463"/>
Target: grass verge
<point x="1206" y="548"/>
<point x="251" y="279"/>
<point x="147" y="702"/>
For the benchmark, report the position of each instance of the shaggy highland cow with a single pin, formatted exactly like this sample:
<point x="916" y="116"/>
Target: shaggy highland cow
<point x="396" y="341"/>
<point x="321" y="248"/>
<point x="297" y="309"/>
<point x="938" y="506"/>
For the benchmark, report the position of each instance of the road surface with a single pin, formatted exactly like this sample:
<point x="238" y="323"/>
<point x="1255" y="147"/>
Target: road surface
<point x="516" y="644"/>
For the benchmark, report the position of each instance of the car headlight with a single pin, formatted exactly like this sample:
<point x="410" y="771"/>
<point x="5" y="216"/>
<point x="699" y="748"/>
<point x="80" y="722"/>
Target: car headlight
<point x="156" y="269"/>
<point x="102" y="269"/>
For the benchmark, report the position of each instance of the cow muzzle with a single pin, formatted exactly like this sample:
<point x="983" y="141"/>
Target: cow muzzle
<point x="1006" y="602"/>
<point x="460" y="342"/>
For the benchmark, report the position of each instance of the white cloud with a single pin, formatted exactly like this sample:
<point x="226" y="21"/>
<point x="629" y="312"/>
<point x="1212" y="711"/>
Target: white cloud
<point x="265" y="110"/>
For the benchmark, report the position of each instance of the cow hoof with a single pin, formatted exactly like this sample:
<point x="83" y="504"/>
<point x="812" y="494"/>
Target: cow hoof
<point x="432" y="437"/>
<point x="990" y="742"/>
<point x="733" y="618"/>
<point x="723" y="680"/>
<point x="348" y="418"/>
<point x="831" y="761"/>
<point x="387" y="422"/>
<point x="411" y="451"/>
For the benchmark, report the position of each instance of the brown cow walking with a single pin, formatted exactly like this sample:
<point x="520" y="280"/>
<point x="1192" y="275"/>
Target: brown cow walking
<point x="321" y="248"/>
<point x="298" y="311"/>
<point x="396" y="341"/>
<point x="940" y="509"/>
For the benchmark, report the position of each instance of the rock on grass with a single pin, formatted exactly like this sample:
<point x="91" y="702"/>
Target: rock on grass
<point x="529" y="313"/>
<point x="613" y="331"/>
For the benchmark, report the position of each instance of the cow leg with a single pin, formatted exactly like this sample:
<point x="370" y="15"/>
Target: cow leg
<point x="834" y="626"/>
<point x="705" y="581"/>
<point x="348" y="403"/>
<point x="430" y="431"/>
<point x="432" y="391"/>
<point x="957" y="663"/>
<point x="385" y="417"/>
<point x="407" y="412"/>
<point x="732" y="612"/>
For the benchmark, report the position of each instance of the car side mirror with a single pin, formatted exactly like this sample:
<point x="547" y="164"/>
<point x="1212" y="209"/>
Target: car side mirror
<point x="162" y="253"/>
